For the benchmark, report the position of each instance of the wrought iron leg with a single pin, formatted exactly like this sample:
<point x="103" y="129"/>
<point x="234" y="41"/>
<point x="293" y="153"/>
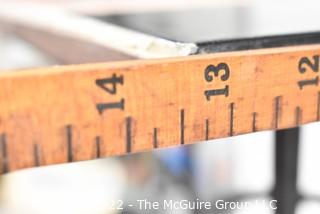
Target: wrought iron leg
<point x="287" y="143"/>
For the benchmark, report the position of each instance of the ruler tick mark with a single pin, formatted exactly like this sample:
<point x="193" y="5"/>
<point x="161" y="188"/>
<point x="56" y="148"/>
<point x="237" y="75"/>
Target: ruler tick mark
<point x="69" y="143"/>
<point x="182" y="126"/>
<point x="231" y="106"/>
<point x="277" y="111"/>
<point x="207" y="129"/>
<point x="254" y="121"/>
<point x="318" y="106"/>
<point x="298" y="113"/>
<point x="4" y="153"/>
<point x="128" y="134"/>
<point x="36" y="154"/>
<point x="155" y="138"/>
<point x="98" y="146"/>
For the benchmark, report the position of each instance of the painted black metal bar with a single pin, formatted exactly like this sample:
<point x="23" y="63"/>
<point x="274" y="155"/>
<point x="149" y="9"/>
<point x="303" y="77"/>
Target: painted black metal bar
<point x="259" y="42"/>
<point x="285" y="190"/>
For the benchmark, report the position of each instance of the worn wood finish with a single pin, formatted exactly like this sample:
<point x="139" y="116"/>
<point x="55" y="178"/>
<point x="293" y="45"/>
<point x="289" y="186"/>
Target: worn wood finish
<point x="65" y="114"/>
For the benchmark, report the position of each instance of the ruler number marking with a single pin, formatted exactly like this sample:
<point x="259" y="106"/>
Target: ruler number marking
<point x="103" y="84"/>
<point x="114" y="80"/>
<point x="116" y="105"/>
<point x="305" y="61"/>
<point x="221" y="67"/>
<point x="313" y="64"/>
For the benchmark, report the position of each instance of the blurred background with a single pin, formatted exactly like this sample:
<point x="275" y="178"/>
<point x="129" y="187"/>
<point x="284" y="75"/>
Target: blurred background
<point x="234" y="169"/>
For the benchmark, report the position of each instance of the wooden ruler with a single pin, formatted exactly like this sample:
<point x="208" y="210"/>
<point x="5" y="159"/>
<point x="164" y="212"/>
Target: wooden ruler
<point x="65" y="114"/>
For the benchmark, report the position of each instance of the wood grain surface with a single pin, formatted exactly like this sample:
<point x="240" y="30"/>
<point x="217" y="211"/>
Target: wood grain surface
<point x="81" y="112"/>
